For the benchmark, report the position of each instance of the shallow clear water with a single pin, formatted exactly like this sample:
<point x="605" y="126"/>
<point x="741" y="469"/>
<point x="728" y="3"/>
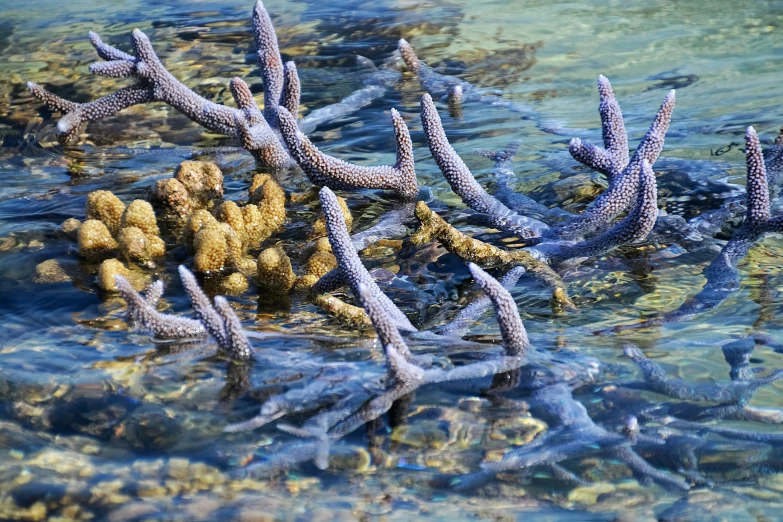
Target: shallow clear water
<point x="96" y="420"/>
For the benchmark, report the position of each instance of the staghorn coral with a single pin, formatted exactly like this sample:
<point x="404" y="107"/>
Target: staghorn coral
<point x="635" y="227"/>
<point x="319" y="227"/>
<point x="331" y="172"/>
<point x="219" y="321"/>
<point x="545" y="382"/>
<point x="254" y="130"/>
<point x="464" y="184"/>
<point x="516" y="201"/>
<point x="721" y="274"/>
<point x="350" y="270"/>
<point x="730" y="399"/>
<point x="143" y="312"/>
<point x="623" y="184"/>
<point x="155" y="83"/>
<point x="574" y="434"/>
<point x="460" y="324"/>
<point x="452" y="89"/>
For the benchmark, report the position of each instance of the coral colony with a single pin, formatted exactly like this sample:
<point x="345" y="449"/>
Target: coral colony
<point x="126" y="238"/>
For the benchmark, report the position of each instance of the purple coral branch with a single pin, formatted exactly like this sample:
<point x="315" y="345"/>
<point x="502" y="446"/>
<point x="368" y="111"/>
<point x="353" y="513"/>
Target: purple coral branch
<point x="269" y="61"/>
<point x="722" y="276"/>
<point x="512" y="330"/>
<point x="612" y="159"/>
<point x="635" y="227"/>
<point x="350" y="269"/>
<point x="468" y="315"/>
<point x="156" y="83"/>
<point x="623" y="186"/>
<point x="465" y="185"/>
<point x="162" y="326"/>
<point x="219" y="321"/>
<point x="325" y="170"/>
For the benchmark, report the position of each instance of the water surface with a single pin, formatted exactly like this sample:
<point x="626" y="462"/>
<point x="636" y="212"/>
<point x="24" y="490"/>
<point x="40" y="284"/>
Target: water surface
<point x="98" y="421"/>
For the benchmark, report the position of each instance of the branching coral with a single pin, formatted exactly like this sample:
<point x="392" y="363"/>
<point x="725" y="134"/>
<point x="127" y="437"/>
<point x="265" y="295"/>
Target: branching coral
<point x="338" y="174"/>
<point x="350" y="270"/>
<point x="722" y="275"/>
<point x="225" y="235"/>
<point x="464" y="184"/>
<point x="613" y="160"/>
<point x="255" y="131"/>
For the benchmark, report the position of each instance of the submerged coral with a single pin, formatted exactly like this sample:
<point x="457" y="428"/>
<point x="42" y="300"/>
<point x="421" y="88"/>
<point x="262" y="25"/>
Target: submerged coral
<point x="241" y="239"/>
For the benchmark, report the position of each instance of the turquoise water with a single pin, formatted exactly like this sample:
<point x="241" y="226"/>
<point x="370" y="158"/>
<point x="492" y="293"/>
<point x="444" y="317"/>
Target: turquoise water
<point x="99" y="422"/>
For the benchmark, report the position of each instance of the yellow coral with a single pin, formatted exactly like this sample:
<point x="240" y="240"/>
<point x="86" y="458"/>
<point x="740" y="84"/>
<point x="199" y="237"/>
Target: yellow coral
<point x="323" y="245"/>
<point x="70" y="227"/>
<point x="433" y="227"/>
<point x="139" y="214"/>
<point x="136" y="246"/>
<point x="343" y="311"/>
<point x="319" y="227"/>
<point x="255" y="229"/>
<point x="174" y="199"/>
<point x="316" y="267"/>
<point x="274" y="271"/>
<point x="266" y="210"/>
<point x="228" y="212"/>
<point x="199" y="220"/>
<point x="95" y="240"/>
<point x="202" y="179"/>
<point x="155" y="247"/>
<point x="54" y="271"/>
<point x="320" y="263"/>
<point x="311" y="194"/>
<point x="106" y="207"/>
<point x="211" y="250"/>
<point x="236" y="251"/>
<point x="235" y="284"/>
<point x="254" y="191"/>
<point x="106" y="272"/>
